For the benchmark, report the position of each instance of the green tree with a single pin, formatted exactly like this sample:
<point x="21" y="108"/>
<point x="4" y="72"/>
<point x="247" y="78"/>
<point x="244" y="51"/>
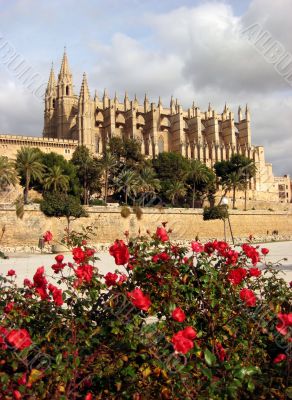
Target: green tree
<point x="88" y="172"/>
<point x="56" y="179"/>
<point x="8" y="175"/>
<point x="107" y="164"/>
<point x="199" y="175"/>
<point x="52" y="160"/>
<point x="149" y="183"/>
<point x="175" y="190"/>
<point x="235" y="174"/>
<point x="60" y="204"/>
<point x="29" y="166"/>
<point x="171" y="166"/>
<point x="128" y="182"/>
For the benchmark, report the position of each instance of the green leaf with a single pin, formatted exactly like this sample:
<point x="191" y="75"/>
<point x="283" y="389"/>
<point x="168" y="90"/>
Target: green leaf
<point x="59" y="359"/>
<point x="210" y="358"/>
<point x="247" y="371"/>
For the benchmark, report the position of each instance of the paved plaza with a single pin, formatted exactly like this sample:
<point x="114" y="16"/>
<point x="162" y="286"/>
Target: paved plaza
<point x="26" y="264"/>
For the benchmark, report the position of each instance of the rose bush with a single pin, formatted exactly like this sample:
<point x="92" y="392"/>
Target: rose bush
<point x="172" y="322"/>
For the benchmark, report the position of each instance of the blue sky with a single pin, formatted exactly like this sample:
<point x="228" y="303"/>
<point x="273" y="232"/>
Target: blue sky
<point x="191" y="49"/>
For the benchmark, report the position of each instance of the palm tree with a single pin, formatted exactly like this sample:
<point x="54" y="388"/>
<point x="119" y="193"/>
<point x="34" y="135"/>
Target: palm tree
<point x="199" y="172"/>
<point x="8" y="174"/>
<point x="127" y="181"/>
<point x="149" y="184"/>
<point x="175" y="190"/>
<point x="55" y="179"/>
<point x="28" y="165"/>
<point x="107" y="163"/>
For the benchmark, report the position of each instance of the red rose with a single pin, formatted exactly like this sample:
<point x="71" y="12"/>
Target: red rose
<point x="48" y="236"/>
<point x="248" y="297"/>
<point x="28" y="283"/>
<point x="222" y="248"/>
<point x="16" y="395"/>
<point x="181" y="343"/>
<point x="22" y="380"/>
<point x="110" y="279"/>
<point x="88" y="396"/>
<point x="236" y="276"/>
<point x="19" y="338"/>
<point x="210" y="247"/>
<point x="231" y="257"/>
<point x="251" y="252"/>
<point x="265" y="251"/>
<point x="40" y="283"/>
<point x="9" y="307"/>
<point x="89" y="252"/>
<point x="189" y="333"/>
<point x="162" y="234"/>
<point x="84" y="272"/>
<point x="119" y="250"/>
<point x="285" y="320"/>
<point x="59" y="258"/>
<point x="139" y="299"/>
<point x="220" y="351"/>
<point x="78" y="255"/>
<point x="255" y="272"/>
<point x="3" y="335"/>
<point x="57" y="294"/>
<point x="122" y="279"/>
<point x="280" y="357"/>
<point x="197" y="247"/>
<point x="178" y="315"/>
<point x="11" y="272"/>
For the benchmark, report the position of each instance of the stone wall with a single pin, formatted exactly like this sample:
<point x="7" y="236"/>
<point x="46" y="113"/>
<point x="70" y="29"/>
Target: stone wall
<point x="109" y="225"/>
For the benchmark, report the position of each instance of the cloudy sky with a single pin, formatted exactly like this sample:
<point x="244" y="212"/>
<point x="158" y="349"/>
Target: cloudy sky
<point x="198" y="50"/>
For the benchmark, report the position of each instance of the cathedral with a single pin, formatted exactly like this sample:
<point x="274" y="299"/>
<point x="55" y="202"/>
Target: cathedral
<point x="209" y="136"/>
<point x="204" y="135"/>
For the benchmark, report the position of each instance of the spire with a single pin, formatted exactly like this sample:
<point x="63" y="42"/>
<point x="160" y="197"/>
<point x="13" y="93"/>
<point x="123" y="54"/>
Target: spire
<point x="51" y="82"/>
<point x="193" y="105"/>
<point x="84" y="92"/>
<point x="209" y="107"/>
<point x="126" y="102"/>
<point x="96" y="96"/>
<point x="239" y="114"/>
<point x="247" y="114"/>
<point x="146" y="103"/>
<point x="116" y="100"/>
<point x="136" y="102"/>
<point x="65" y="70"/>
<point x="159" y="102"/>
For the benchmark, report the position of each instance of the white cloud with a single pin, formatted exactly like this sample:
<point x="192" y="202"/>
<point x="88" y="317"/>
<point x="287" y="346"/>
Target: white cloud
<point x="193" y="52"/>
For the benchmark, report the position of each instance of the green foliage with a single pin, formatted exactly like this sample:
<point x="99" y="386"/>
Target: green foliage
<point x="98" y="341"/>
<point x="58" y="205"/>
<point x="216" y="212"/>
<point x="235" y="173"/>
<point x="88" y="172"/>
<point x="8" y="174"/>
<point x="171" y="166"/>
<point x="29" y="167"/>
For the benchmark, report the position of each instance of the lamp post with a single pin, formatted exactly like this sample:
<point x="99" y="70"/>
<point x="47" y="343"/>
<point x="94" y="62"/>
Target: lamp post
<point x="224" y="202"/>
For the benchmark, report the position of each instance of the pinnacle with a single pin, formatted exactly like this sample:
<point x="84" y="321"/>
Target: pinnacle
<point x="65" y="70"/>
<point x="84" y="92"/>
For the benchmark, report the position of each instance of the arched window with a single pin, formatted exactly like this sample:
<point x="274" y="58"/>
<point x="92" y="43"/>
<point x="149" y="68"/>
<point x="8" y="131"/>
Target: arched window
<point x="54" y="103"/>
<point x="160" y="145"/>
<point x="67" y="90"/>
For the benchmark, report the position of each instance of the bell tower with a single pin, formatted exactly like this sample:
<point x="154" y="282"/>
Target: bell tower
<point x="66" y="103"/>
<point x="50" y="128"/>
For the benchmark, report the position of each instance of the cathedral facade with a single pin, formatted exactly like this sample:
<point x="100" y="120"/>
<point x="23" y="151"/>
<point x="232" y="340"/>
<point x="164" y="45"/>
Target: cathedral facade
<point x="209" y="136"/>
<point x="204" y="135"/>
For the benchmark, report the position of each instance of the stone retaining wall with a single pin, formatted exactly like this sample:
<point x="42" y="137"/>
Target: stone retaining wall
<point x="109" y="225"/>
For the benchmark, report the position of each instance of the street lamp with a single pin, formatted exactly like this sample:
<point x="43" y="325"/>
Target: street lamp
<point x="224" y="202"/>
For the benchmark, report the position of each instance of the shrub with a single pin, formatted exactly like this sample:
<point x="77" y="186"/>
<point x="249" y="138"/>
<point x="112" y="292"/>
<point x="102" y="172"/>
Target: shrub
<point x="216" y="212"/>
<point x="138" y="212"/>
<point x="125" y="212"/>
<point x="219" y="329"/>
